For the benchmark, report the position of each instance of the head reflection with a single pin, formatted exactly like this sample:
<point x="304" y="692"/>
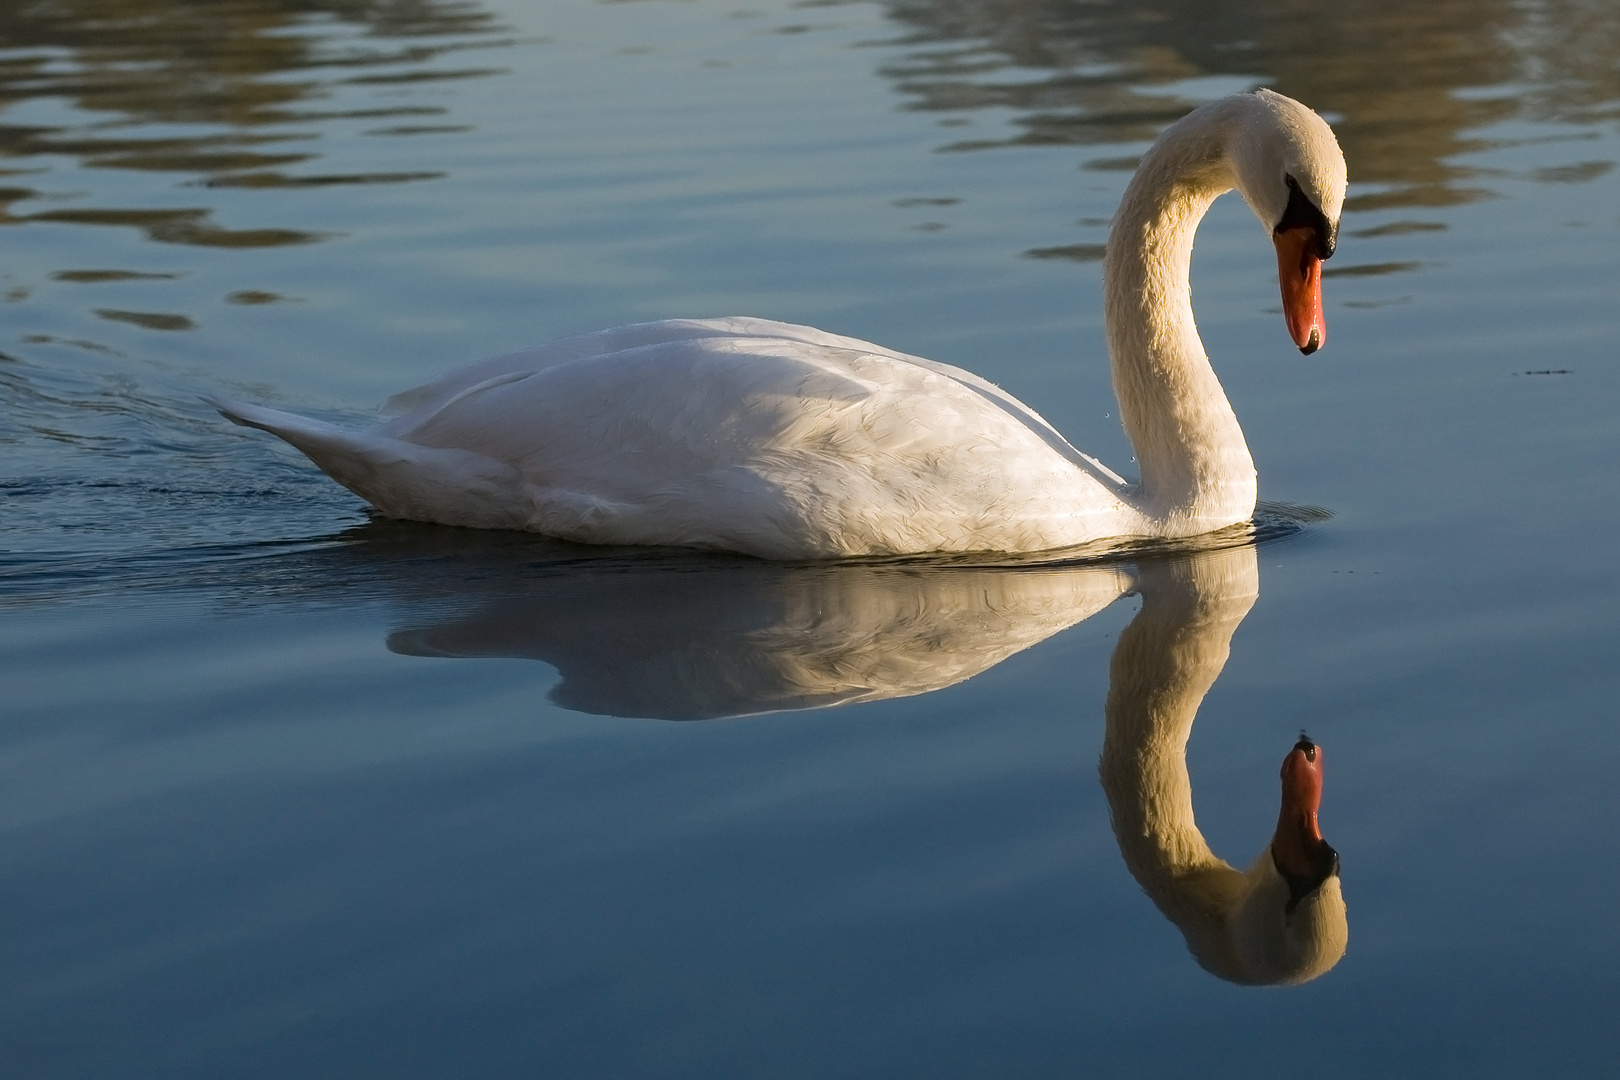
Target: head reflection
<point x="696" y="639"/>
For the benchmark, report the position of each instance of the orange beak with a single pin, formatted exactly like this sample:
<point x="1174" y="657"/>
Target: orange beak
<point x="1299" y="272"/>
<point x="1298" y="850"/>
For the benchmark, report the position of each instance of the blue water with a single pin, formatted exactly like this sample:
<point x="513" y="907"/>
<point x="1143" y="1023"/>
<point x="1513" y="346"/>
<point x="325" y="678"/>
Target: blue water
<point x="288" y="791"/>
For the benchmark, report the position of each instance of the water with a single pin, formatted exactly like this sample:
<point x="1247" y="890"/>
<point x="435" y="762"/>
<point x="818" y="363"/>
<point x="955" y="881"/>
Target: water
<point x="286" y="791"/>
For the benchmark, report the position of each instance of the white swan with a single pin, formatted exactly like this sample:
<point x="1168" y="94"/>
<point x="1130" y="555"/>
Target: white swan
<point x="1281" y="921"/>
<point x="786" y="442"/>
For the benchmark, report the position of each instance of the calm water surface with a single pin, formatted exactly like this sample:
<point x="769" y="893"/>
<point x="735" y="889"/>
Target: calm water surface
<point x="287" y="791"/>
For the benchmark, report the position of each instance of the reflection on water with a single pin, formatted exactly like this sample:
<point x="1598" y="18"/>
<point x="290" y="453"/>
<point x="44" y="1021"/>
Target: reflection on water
<point x="692" y="637"/>
<point x="183" y="123"/>
<point x="212" y="62"/>
<point x="240" y="832"/>
<point x="202" y="89"/>
<point x="1246" y="927"/>
<point x="240" y="94"/>
<point x="692" y="643"/>
<point x="1393" y="77"/>
<point x="701" y="637"/>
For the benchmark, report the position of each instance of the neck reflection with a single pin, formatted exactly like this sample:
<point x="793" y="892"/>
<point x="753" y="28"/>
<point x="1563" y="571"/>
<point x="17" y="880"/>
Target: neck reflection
<point x="1244" y="926"/>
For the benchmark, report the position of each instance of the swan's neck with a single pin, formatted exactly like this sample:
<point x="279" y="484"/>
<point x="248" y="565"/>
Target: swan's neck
<point x="1165" y="662"/>
<point x="1195" y="467"/>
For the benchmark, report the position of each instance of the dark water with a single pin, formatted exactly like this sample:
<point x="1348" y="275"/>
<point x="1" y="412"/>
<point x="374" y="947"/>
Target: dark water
<point x="285" y="791"/>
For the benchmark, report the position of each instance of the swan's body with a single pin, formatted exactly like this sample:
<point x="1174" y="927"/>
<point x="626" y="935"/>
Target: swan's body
<point x="741" y="434"/>
<point x="786" y="442"/>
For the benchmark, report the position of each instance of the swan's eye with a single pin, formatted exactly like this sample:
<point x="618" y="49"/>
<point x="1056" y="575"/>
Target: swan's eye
<point x="1302" y="213"/>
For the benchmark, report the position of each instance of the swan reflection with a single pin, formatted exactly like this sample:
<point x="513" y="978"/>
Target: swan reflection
<point x="734" y="639"/>
<point x="693" y="639"/>
<point x="1282" y="920"/>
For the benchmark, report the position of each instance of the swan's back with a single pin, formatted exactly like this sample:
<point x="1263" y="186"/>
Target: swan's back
<point x="435" y="392"/>
<point x="408" y="406"/>
<point x="790" y="443"/>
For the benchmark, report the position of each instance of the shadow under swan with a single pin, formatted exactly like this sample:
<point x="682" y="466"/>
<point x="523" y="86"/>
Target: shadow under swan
<point x="703" y="639"/>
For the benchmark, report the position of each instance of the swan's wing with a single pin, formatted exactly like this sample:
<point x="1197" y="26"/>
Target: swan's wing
<point x="750" y="327"/>
<point x="1030" y="418"/>
<point x="415" y="406"/>
<point x="979" y="385"/>
<point x="773" y="445"/>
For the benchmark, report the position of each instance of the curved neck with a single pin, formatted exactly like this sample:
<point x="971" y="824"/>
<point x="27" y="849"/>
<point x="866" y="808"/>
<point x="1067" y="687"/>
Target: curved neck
<point x="1196" y="470"/>
<point x="1165" y="662"/>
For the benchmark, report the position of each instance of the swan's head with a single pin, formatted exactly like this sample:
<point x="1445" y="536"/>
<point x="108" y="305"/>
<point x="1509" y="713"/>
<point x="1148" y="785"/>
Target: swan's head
<point x="1286" y="922"/>
<point x="1290" y="926"/>
<point x="1290" y="170"/>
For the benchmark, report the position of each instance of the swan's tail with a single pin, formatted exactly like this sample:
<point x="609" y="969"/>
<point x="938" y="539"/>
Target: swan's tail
<point x="310" y="436"/>
<point x="401" y="479"/>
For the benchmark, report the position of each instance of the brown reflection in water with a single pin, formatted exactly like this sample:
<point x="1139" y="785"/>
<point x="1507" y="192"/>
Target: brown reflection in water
<point x="222" y="63"/>
<point x="273" y="179"/>
<point x="1387" y="72"/>
<point x="98" y="276"/>
<point x="205" y="61"/>
<point x="1371" y="269"/>
<point x="151" y="320"/>
<point x="189" y="226"/>
<point x="1076" y="252"/>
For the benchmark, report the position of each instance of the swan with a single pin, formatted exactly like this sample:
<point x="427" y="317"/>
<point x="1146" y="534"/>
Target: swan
<point x="1283" y="919"/>
<point x="787" y="442"/>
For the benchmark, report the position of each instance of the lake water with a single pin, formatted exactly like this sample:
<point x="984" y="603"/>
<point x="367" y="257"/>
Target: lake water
<point x="285" y="791"/>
